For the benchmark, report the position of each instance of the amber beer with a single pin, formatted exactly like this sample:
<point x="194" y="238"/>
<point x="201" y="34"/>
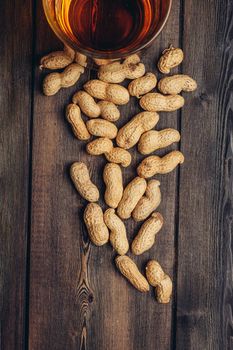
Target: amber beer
<point x="109" y="26"/>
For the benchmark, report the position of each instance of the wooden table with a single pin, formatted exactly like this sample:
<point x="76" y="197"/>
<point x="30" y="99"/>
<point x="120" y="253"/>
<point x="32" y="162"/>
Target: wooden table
<point x="57" y="291"/>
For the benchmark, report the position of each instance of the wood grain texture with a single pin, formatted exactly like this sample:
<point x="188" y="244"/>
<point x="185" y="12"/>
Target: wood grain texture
<point x="68" y="294"/>
<point x="77" y="297"/>
<point x="15" y="115"/>
<point x="204" y="290"/>
<point x="60" y="293"/>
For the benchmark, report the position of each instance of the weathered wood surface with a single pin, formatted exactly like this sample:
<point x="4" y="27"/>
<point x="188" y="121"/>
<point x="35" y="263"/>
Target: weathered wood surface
<point x="58" y="291"/>
<point x="16" y="37"/>
<point x="204" y="257"/>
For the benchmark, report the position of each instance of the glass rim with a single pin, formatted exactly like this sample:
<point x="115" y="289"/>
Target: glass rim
<point x="101" y="55"/>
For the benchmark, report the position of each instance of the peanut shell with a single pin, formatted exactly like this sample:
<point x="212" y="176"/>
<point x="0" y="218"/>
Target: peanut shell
<point x="158" y="279"/>
<point x="99" y="146"/>
<point x="83" y="184"/>
<point x="170" y="58"/>
<point x="87" y="104"/>
<point x="117" y="72"/>
<point x="112" y="176"/>
<point x="153" y="165"/>
<point x="119" y="156"/>
<point x="55" y="60"/>
<point x="101" y="90"/>
<point x="102" y="128"/>
<point x="130" y="270"/>
<point x="155" y="102"/>
<point x="94" y="220"/>
<point x="53" y="82"/>
<point x="149" y="202"/>
<point x="143" y="85"/>
<point x="118" y="237"/>
<point x="131" y="196"/>
<point x="73" y="115"/>
<point x="131" y="132"/>
<point x="145" y="238"/>
<point x="153" y="140"/>
<point x="176" y="84"/>
<point x="109" y="111"/>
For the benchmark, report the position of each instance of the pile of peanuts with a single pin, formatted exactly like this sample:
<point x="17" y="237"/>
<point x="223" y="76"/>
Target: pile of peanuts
<point x="99" y="101"/>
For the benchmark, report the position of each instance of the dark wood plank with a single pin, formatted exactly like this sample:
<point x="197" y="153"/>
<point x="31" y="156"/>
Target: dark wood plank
<point x="56" y="315"/>
<point x="122" y="318"/>
<point x="15" y="114"/>
<point x="204" y="293"/>
<point x="77" y="298"/>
